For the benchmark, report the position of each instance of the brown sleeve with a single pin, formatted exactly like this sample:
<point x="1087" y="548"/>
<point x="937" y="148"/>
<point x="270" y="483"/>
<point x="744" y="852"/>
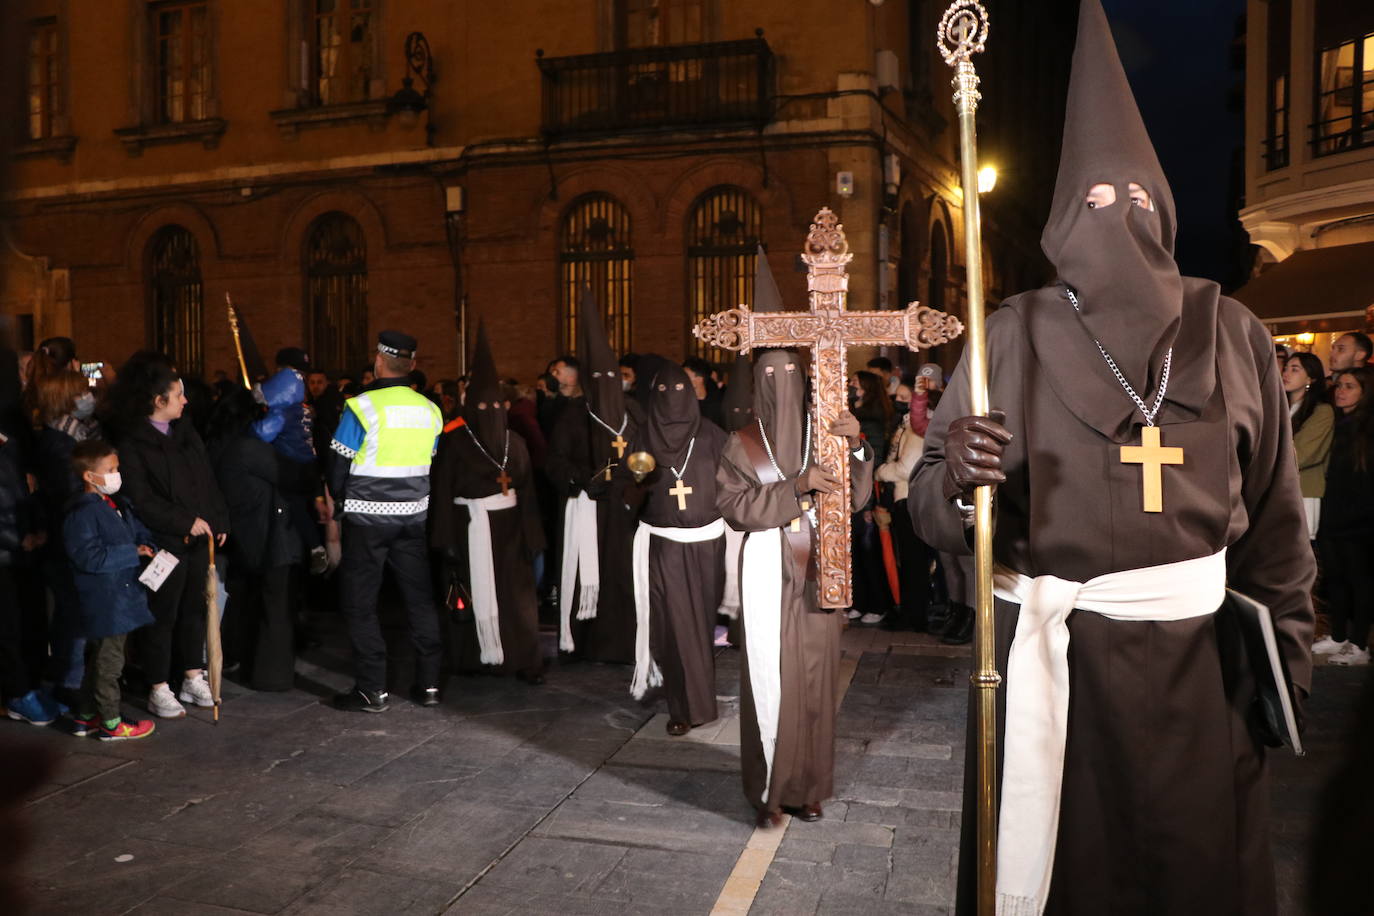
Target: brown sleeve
<point x="746" y="504"/>
<point x="1272" y="561"/>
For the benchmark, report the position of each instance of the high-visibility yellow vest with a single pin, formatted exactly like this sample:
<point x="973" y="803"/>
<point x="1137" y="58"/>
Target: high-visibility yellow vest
<point x="389" y="475"/>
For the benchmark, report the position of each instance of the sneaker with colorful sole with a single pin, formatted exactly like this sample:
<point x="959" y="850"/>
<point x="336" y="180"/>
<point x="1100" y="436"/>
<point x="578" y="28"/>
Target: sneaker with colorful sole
<point x="127" y="731"/>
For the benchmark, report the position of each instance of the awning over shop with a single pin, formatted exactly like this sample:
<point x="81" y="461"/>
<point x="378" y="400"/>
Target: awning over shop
<point x="1316" y="289"/>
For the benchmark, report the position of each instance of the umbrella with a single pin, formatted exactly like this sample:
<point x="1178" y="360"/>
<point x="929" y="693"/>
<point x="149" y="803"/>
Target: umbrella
<point x="883" y="518"/>
<point x="213" y="650"/>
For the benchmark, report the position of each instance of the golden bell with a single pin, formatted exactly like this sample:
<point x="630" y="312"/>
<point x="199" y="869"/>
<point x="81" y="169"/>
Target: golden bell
<point x="641" y="464"/>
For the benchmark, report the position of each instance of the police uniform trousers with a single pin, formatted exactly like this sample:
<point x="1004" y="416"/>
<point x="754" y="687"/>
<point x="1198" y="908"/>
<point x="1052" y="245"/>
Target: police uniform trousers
<point x="366" y="549"/>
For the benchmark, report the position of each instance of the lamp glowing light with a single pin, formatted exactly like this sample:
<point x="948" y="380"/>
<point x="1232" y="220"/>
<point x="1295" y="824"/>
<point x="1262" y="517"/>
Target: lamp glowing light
<point x="1307" y="338"/>
<point x="987" y="179"/>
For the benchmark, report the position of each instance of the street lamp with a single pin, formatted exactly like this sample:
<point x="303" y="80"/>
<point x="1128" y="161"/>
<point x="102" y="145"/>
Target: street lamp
<point x="407" y="103"/>
<point x="987" y="179"/>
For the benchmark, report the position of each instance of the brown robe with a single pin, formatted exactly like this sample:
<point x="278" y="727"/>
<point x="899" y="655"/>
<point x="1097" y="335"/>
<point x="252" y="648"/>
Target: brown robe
<point x="1165" y="794"/>
<point x="804" y="757"/>
<point x="686" y="581"/>
<point x="461" y="470"/>
<point x="578" y="451"/>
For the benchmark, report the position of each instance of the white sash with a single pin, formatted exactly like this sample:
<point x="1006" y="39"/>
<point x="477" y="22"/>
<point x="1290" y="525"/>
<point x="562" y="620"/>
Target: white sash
<point x="729" y="602"/>
<point x="647" y="673"/>
<point x="1038" y="699"/>
<point x="581" y="562"/>
<point x="761" y="605"/>
<point x="482" y="570"/>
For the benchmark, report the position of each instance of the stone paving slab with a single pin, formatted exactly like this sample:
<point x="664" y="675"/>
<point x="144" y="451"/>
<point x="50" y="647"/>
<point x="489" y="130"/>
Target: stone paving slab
<point x="564" y="799"/>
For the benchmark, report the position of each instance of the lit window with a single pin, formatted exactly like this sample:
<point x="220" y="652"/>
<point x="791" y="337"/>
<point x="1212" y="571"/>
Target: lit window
<point x="341" y="50"/>
<point x="181" y="33"/>
<point x="43" y="86"/>
<point x="596" y="254"/>
<point x="723" y="234"/>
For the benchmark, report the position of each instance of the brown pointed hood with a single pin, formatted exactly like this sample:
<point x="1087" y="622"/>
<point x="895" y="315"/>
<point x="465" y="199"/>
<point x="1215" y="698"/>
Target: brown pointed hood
<point x="1119" y="259"/>
<point x="767" y="296"/>
<point x="484" y="410"/>
<point x="600" y="372"/>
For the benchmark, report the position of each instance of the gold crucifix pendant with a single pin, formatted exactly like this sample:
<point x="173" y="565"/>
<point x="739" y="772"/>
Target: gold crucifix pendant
<point x="805" y="507"/>
<point x="1152" y="457"/>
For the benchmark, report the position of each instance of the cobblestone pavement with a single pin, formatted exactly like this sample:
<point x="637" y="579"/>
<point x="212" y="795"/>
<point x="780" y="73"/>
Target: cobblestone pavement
<point x="566" y="798"/>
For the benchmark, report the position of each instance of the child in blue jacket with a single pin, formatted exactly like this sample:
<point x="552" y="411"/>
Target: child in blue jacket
<point x="104" y="540"/>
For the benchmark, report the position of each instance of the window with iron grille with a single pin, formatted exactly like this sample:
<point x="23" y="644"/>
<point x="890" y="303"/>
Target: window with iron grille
<point x="181" y="52"/>
<point x="342" y="54"/>
<point x="43" y="85"/>
<point x="724" y="231"/>
<point x="1343" y="34"/>
<point x="595" y="252"/>
<point x="336" y="294"/>
<point x="177" y="306"/>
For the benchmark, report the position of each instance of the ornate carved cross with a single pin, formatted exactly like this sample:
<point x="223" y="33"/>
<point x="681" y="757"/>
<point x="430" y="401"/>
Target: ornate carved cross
<point x="828" y="330"/>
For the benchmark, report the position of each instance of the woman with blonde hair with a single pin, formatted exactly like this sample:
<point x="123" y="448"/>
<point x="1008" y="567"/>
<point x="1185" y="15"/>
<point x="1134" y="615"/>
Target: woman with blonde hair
<point x="65" y="407"/>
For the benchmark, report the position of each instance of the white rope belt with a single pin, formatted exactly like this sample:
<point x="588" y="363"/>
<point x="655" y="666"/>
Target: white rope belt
<point x="482" y="572"/>
<point x="647" y="673"/>
<point x="1038" y="699"/>
<point x="581" y="567"/>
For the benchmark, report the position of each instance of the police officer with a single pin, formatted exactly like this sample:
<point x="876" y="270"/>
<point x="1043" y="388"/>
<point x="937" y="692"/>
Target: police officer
<point x="379" y="475"/>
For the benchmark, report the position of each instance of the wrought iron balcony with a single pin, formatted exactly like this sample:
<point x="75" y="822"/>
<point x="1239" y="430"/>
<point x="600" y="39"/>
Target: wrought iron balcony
<point x="727" y="83"/>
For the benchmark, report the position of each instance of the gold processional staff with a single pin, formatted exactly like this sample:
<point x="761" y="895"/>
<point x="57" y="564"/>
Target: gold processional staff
<point x="963" y="32"/>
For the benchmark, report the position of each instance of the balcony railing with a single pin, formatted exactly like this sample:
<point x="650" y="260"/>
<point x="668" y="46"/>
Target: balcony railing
<point x="1340" y="134"/>
<point x="727" y="83"/>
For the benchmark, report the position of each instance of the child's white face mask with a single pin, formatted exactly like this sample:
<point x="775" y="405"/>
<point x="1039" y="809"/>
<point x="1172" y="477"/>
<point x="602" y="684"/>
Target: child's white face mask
<point x="111" y="483"/>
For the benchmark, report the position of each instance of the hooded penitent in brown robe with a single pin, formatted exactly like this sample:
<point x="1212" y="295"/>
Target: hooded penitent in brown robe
<point x="1164" y="791"/>
<point x="685" y="579"/>
<point x="807" y="637"/>
<point x="475" y="451"/>
<point x="580" y="452"/>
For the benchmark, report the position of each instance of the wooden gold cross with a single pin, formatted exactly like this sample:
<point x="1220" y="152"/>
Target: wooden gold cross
<point x="619" y="443"/>
<point x="1152" y="457"/>
<point x="504" y="480"/>
<point x="805" y="507"/>
<point x="680" y="490"/>
<point x="829" y="329"/>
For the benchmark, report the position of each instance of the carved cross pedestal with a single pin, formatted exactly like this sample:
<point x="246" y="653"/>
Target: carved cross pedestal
<point x="828" y="330"/>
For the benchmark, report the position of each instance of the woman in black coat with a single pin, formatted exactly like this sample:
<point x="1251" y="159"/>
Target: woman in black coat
<point x="168" y="478"/>
<point x="1345" y="537"/>
<point x="66" y="407"/>
<point x="265" y="546"/>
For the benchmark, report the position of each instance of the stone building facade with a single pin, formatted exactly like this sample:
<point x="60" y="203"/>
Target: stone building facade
<point x="295" y="155"/>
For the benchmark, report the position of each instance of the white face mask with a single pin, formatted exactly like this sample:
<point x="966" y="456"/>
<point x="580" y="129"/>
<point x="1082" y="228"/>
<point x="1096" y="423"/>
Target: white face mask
<point x="626" y="385"/>
<point x="84" y="407"/>
<point x="111" y="484"/>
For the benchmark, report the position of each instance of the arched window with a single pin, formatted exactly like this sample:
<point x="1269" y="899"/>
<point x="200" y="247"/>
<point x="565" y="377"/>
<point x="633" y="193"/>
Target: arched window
<point x="724" y="231"/>
<point x="336" y="294"/>
<point x="177" y="304"/>
<point x="596" y="252"/>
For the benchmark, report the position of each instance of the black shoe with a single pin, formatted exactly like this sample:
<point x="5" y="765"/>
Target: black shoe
<point x="960" y="628"/>
<point x="425" y="696"/>
<point x="360" y="700"/>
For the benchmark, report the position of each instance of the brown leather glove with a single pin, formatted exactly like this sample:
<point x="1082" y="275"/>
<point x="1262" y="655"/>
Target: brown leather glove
<point x="973" y="453"/>
<point x="816" y="479"/>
